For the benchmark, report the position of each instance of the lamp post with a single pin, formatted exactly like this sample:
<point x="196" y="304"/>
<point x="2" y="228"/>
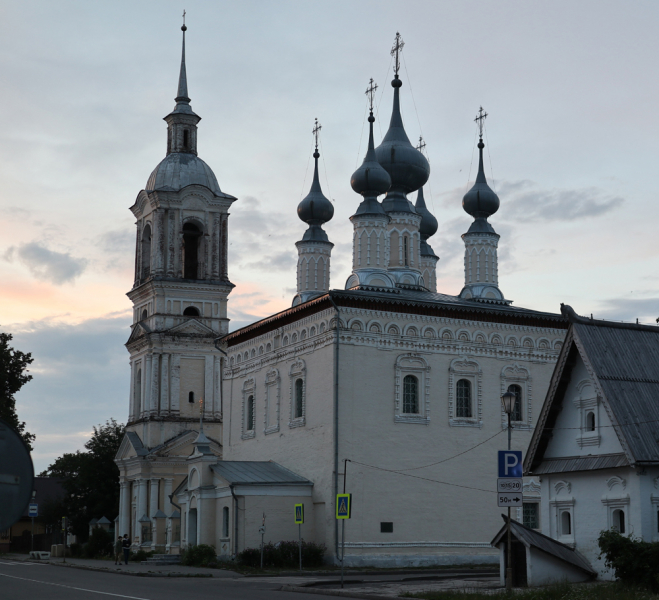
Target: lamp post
<point x="508" y="401"/>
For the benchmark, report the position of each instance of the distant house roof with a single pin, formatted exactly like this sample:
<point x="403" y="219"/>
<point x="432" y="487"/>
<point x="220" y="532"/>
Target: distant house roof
<point x="257" y="473"/>
<point x="531" y="538"/>
<point x="48" y="489"/>
<point x="624" y="361"/>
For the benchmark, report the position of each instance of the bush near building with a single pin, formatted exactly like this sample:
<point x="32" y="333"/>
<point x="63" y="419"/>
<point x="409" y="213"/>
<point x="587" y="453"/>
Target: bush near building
<point x="283" y="555"/>
<point x="201" y="555"/>
<point x="634" y="562"/>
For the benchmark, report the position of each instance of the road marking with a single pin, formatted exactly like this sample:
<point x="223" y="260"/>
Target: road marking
<point x="21" y="563"/>
<point x="73" y="588"/>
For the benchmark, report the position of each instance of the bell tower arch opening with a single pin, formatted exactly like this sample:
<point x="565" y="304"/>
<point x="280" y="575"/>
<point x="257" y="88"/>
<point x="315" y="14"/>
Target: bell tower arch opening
<point x="191" y="241"/>
<point x="146" y="252"/>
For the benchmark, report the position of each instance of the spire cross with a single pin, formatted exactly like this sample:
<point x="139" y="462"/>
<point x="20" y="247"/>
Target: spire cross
<point x="316" y="130"/>
<point x="370" y="92"/>
<point x="183" y="16"/>
<point x="396" y="50"/>
<point x="480" y="121"/>
<point x="421" y="145"/>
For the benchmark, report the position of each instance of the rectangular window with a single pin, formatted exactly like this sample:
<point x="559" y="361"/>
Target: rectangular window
<point x="225" y="522"/>
<point x="386" y="527"/>
<point x="530" y="516"/>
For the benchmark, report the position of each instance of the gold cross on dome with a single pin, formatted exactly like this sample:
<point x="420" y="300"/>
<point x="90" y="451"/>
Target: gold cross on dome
<point x="421" y="146"/>
<point x="480" y="121"/>
<point x="316" y="130"/>
<point x="396" y="50"/>
<point x="370" y="92"/>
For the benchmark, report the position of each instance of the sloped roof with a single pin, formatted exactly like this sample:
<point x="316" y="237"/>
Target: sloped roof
<point x="623" y="359"/>
<point x="531" y="538"/>
<point x="257" y="473"/>
<point x="136" y="442"/>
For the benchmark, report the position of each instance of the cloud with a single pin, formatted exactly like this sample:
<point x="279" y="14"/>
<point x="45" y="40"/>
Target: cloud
<point x="281" y="261"/>
<point x="45" y="264"/>
<point x="646" y="310"/>
<point x="119" y="241"/>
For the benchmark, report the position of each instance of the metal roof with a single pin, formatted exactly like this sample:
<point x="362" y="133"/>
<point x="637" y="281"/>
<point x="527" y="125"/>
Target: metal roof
<point x="136" y="442"/>
<point x="531" y="538"/>
<point x="178" y="170"/>
<point x="257" y="473"/>
<point x="581" y="463"/>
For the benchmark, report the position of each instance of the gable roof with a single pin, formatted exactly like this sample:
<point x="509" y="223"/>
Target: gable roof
<point x="622" y="359"/>
<point x="531" y="538"/>
<point x="257" y="473"/>
<point x="136" y="442"/>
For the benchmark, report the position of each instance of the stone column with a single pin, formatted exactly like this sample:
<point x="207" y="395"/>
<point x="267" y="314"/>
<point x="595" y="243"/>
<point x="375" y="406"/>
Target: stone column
<point x="138" y="261"/>
<point x="225" y="248"/>
<point x="217" y="387"/>
<point x="141" y="500"/>
<point x="168" y="509"/>
<point x="179" y="254"/>
<point x="153" y="504"/>
<point x="209" y="388"/>
<point x="215" y="247"/>
<point x="164" y="385"/>
<point x="175" y="374"/>
<point x="147" y="387"/>
<point x="171" y="243"/>
<point x="155" y="380"/>
<point x="131" y="393"/>
<point x="124" y="507"/>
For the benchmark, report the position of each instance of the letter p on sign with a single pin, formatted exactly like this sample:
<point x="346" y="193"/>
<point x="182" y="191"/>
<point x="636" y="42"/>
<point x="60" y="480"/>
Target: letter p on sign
<point x="510" y="463"/>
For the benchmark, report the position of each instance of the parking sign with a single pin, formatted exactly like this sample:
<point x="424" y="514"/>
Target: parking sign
<point x="510" y="463"/>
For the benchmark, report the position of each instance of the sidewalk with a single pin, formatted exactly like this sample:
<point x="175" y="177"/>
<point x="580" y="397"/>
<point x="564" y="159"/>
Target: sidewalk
<point x="132" y="568"/>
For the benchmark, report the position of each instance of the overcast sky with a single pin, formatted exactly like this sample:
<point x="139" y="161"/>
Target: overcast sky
<point x="571" y="89"/>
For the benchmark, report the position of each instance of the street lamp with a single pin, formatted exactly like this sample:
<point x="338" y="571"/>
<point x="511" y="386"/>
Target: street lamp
<point x="508" y="401"/>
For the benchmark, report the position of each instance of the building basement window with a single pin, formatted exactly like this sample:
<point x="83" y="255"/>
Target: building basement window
<point x="386" y="527"/>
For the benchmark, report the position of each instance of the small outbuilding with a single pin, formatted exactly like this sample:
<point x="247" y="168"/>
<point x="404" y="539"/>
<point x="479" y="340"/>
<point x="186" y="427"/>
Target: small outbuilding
<point x="537" y="559"/>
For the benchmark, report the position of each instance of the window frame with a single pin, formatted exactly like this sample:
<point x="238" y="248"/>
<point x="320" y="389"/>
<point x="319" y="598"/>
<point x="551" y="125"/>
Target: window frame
<point x="406" y="378"/>
<point x="459" y="401"/>
<point x="517" y="375"/>
<point x="249" y="389"/>
<point x="272" y="393"/>
<point x="298" y="370"/>
<point x="470" y="370"/>
<point x="413" y="364"/>
<point x="588" y="401"/>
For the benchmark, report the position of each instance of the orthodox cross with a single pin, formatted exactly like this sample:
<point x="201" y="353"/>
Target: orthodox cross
<point x="316" y="130"/>
<point x="184" y="17"/>
<point x="480" y="121"/>
<point x="396" y="50"/>
<point x="421" y="146"/>
<point x="370" y="92"/>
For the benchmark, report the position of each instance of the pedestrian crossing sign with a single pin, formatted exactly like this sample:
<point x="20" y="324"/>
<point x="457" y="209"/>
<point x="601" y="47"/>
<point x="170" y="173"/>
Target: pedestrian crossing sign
<point x="343" y="506"/>
<point x="299" y="514"/>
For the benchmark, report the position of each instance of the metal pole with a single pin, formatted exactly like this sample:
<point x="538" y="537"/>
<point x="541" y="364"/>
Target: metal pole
<point x="299" y="533"/>
<point x="32" y="541"/>
<point x="343" y="547"/>
<point x="509" y="570"/>
<point x="262" y="536"/>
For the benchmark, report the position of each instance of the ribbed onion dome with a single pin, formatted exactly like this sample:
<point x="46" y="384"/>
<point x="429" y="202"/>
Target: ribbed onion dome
<point x="429" y="225"/>
<point x="315" y="209"/>
<point x="407" y="167"/>
<point x="370" y="180"/>
<point x="480" y="201"/>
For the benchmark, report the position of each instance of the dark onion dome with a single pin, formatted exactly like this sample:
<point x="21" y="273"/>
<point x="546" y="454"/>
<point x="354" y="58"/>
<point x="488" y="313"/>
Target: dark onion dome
<point x="480" y="201"/>
<point x="315" y="209"/>
<point x="370" y="180"/>
<point x="407" y="167"/>
<point x="429" y="225"/>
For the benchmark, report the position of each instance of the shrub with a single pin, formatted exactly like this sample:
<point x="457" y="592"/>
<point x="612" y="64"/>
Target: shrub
<point x="633" y="561"/>
<point x="283" y="555"/>
<point x="201" y="555"/>
<point x="140" y="555"/>
<point x="99" y="544"/>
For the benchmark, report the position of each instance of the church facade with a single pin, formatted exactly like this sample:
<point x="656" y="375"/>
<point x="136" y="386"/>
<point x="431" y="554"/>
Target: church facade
<point x="385" y="388"/>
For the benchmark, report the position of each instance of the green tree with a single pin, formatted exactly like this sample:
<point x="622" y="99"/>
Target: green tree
<point x="13" y="376"/>
<point x="91" y="479"/>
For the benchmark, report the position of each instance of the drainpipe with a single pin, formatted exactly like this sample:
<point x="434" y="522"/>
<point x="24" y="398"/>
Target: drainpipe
<point x="235" y="521"/>
<point x="216" y="343"/>
<point x="336" y="422"/>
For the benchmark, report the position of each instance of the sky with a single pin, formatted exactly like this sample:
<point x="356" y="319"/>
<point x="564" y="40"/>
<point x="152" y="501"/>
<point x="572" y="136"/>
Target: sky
<point x="571" y="145"/>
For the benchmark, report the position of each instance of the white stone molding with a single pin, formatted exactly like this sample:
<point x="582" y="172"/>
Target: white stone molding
<point x="616" y="481"/>
<point x="517" y="375"/>
<point x="656" y="482"/>
<point x="469" y="369"/>
<point x="249" y="389"/>
<point x="297" y="371"/>
<point x="272" y="392"/>
<point x="587" y="402"/>
<point x="412" y="364"/>
<point x="557" y="507"/>
<point x="531" y="488"/>
<point x="562" y="486"/>
<point x="433" y="544"/>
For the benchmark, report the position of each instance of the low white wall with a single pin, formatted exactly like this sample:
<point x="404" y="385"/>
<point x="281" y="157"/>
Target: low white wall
<point x="543" y="569"/>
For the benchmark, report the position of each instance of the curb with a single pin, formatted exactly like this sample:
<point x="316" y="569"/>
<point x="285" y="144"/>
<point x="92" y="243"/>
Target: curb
<point x="344" y="593"/>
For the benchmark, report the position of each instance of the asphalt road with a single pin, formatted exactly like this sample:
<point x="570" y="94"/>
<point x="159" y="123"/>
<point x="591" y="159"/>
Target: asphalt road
<point x="30" y="581"/>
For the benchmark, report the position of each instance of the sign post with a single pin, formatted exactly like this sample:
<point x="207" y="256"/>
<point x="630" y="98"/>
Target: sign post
<point x="343" y="511"/>
<point x="33" y="511"/>
<point x="299" y="519"/>
<point x="510" y="478"/>
<point x="262" y="532"/>
<point x="64" y="529"/>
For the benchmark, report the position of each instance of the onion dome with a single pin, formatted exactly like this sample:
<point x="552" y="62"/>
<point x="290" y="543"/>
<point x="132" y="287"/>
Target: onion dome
<point x="428" y="226"/>
<point x="407" y="167"/>
<point x="370" y="180"/>
<point x="480" y="201"/>
<point x="315" y="209"/>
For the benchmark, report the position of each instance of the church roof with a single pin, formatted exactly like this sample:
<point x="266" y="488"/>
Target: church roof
<point x="403" y="301"/>
<point x="180" y="169"/>
<point x="622" y="360"/>
<point x="257" y="473"/>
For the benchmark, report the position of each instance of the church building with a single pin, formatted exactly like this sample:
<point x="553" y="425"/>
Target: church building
<point x="383" y="386"/>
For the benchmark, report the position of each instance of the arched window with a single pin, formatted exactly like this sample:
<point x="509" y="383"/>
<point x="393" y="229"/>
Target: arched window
<point x="516" y="415"/>
<point x="138" y="391"/>
<point x="463" y="398"/>
<point x="225" y="522"/>
<point x="250" y="414"/>
<point x="191" y="311"/>
<point x="144" y="314"/>
<point x="619" y="520"/>
<point x="566" y="523"/>
<point x="186" y="140"/>
<point x="191" y="237"/>
<point x="405" y="252"/>
<point x="299" y="398"/>
<point x="146" y="251"/>
<point x="191" y="397"/>
<point x="590" y="421"/>
<point x="410" y="395"/>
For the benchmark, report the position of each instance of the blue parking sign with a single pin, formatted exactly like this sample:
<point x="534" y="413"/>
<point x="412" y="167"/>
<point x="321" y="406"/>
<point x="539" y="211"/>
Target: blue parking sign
<point x="510" y="463"/>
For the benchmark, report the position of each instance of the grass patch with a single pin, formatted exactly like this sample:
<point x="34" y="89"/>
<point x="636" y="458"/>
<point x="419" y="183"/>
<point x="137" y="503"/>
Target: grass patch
<point x="564" y="591"/>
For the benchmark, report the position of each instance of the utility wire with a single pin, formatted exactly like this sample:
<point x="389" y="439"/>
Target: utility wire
<point x="494" y="187"/>
<point x="304" y="182"/>
<point x="386" y="77"/>
<point x="361" y="135"/>
<point x="325" y="167"/>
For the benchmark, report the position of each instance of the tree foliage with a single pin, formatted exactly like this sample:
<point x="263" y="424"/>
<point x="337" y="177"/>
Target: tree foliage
<point x="91" y="479"/>
<point x="633" y="561"/>
<point x="13" y="376"/>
